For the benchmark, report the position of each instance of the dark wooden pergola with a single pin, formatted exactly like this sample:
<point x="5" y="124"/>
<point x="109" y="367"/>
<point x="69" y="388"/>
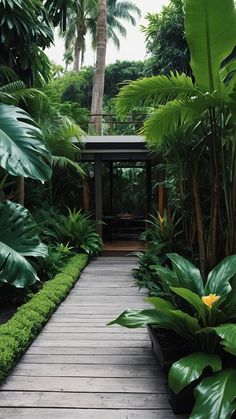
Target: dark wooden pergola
<point x="99" y="149"/>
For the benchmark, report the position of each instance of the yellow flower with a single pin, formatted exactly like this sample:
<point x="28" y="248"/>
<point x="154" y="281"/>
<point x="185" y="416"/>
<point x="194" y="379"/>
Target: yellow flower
<point x="161" y="219"/>
<point x="210" y="299"/>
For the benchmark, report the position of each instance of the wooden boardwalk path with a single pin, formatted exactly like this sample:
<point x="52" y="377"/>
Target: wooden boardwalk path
<point x="79" y="368"/>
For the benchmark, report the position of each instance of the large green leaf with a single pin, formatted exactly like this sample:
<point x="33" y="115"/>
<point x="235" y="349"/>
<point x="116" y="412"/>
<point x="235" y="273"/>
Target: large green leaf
<point x="210" y="27"/>
<point x="190" y="368"/>
<point x="188" y="275"/>
<point x="218" y="279"/>
<point x="215" y="396"/>
<point x="175" y="320"/>
<point x="227" y="332"/>
<point x="22" y="153"/>
<point x="192" y="299"/>
<point x="166" y="275"/>
<point x="160" y="303"/>
<point x="18" y="239"/>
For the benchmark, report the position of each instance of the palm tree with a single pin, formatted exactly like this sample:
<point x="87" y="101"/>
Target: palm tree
<point x="114" y="10"/>
<point x="84" y="20"/>
<point x="99" y="76"/>
<point x="80" y="22"/>
<point x="118" y="11"/>
<point x="204" y="108"/>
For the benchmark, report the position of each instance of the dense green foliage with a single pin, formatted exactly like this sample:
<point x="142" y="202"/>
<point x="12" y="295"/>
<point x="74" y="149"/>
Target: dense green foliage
<point x="192" y="127"/>
<point x="25" y="30"/>
<point x="166" y="42"/>
<point x="18" y="333"/>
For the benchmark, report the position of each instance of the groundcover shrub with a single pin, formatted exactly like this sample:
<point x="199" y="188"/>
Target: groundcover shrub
<point x="19" y="332"/>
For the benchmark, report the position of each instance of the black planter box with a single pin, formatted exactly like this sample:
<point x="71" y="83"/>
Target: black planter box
<point x="167" y="346"/>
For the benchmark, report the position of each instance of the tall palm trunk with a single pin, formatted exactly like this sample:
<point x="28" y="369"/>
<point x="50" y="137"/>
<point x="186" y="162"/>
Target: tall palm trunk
<point x="99" y="76"/>
<point x="77" y="51"/>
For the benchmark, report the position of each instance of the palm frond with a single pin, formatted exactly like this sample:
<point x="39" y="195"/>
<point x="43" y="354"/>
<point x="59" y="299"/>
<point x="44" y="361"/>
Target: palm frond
<point x="115" y="25"/>
<point x="157" y="90"/>
<point x="63" y="162"/>
<point x="113" y="37"/>
<point x="167" y="120"/>
<point x="7" y="75"/>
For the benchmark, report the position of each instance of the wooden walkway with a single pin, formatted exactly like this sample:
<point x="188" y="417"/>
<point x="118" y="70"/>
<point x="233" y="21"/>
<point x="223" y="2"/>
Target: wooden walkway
<point x="79" y="368"/>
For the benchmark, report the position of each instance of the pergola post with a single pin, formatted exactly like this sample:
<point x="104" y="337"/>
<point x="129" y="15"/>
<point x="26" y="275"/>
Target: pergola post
<point x="149" y="186"/>
<point x="98" y="192"/>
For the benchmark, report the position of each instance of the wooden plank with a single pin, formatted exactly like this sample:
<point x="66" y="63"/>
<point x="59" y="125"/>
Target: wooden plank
<point x="88" y="385"/>
<point x="81" y="370"/>
<point x="94" y="335"/>
<point x="88" y="359"/>
<point x="61" y="413"/>
<point x="89" y="328"/>
<point x="103" y="350"/>
<point x="83" y="400"/>
<point x="92" y="343"/>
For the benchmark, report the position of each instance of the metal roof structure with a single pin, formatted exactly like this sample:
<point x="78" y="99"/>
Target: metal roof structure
<point x="111" y="147"/>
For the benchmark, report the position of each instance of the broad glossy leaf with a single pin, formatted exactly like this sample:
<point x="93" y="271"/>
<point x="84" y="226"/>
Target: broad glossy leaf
<point x="190" y="368"/>
<point x="18" y="238"/>
<point x="209" y="40"/>
<point x="227" y="332"/>
<point x="218" y="279"/>
<point x="175" y="320"/>
<point x="215" y="396"/>
<point x="188" y="275"/>
<point x="160" y="303"/>
<point x="22" y="153"/>
<point x="166" y="275"/>
<point x="192" y="299"/>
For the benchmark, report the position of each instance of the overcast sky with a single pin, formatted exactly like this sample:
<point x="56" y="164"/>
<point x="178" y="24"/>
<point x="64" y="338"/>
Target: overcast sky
<point x="132" y="48"/>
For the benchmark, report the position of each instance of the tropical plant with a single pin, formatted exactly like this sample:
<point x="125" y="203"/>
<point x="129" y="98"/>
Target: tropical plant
<point x="165" y="40"/>
<point x="79" y="231"/>
<point x="202" y="111"/>
<point x="215" y="394"/>
<point x="210" y="304"/>
<point x="25" y="30"/>
<point x="19" y="241"/>
<point x="82" y="18"/>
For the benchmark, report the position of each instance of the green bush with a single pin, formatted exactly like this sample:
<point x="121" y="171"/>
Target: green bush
<point x="19" y="332"/>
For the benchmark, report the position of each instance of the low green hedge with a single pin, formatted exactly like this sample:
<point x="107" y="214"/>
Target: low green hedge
<point x="18" y="333"/>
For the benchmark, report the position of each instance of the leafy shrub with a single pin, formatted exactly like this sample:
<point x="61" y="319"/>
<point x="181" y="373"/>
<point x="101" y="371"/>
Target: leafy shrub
<point x="18" y="333"/>
<point x="77" y="230"/>
<point x="160" y="236"/>
<point x="208" y="325"/>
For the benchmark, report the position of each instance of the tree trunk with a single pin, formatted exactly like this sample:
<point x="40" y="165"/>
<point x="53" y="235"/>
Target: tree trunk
<point x="199" y="222"/>
<point x="20" y="190"/>
<point x="76" y="64"/>
<point x="99" y="76"/>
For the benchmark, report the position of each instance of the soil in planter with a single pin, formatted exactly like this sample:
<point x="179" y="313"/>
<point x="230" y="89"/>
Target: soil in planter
<point x="168" y="347"/>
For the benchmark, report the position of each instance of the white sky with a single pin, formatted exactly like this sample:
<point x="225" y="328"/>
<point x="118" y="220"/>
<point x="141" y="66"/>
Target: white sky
<point x="132" y="48"/>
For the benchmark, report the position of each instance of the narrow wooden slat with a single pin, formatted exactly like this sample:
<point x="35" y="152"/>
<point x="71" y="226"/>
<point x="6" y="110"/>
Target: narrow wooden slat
<point x="48" y="413"/>
<point x="88" y="350"/>
<point x="83" y="400"/>
<point x="88" y="385"/>
<point x="88" y="359"/>
<point x="81" y="370"/>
